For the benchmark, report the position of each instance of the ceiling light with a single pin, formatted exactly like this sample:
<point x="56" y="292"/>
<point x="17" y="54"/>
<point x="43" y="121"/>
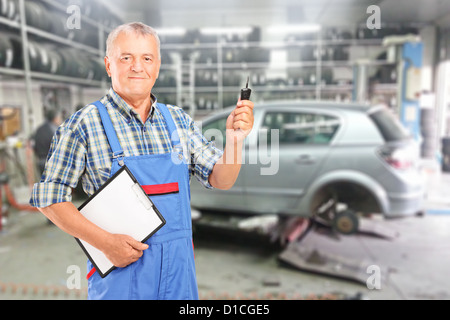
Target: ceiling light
<point x="298" y="28"/>
<point x="230" y="30"/>
<point x="171" y="31"/>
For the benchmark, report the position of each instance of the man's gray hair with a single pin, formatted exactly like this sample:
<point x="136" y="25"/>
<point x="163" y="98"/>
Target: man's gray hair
<point x="132" y="27"/>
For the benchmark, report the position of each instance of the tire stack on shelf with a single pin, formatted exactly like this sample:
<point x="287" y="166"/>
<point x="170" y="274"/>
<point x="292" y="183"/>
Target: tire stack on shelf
<point x="52" y="57"/>
<point x="9" y="9"/>
<point x="335" y="47"/>
<point x="428" y="132"/>
<point x="7" y="56"/>
<point x="362" y="32"/>
<point x="207" y="102"/>
<point x="206" y="78"/>
<point x="37" y="15"/>
<point x="255" y="55"/>
<point x="207" y="56"/>
<point x="446" y="154"/>
<point x="41" y="59"/>
<point x="338" y="51"/>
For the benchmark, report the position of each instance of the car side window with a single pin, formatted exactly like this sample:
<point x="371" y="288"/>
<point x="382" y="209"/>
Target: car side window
<point x="216" y="131"/>
<point x="325" y="129"/>
<point x="301" y="127"/>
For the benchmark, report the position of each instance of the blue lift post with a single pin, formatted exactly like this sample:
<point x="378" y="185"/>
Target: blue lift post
<point x="410" y="83"/>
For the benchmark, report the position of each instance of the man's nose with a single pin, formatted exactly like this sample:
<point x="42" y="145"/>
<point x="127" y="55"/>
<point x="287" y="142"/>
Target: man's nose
<point x="136" y="66"/>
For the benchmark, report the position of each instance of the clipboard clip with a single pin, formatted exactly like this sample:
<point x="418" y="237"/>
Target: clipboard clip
<point x="141" y="196"/>
<point x="119" y="156"/>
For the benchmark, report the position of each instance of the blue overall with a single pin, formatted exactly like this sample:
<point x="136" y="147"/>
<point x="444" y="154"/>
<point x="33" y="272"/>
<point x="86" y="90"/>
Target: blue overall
<point x="166" y="270"/>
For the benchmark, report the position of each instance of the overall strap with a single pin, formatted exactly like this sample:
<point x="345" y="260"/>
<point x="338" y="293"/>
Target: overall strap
<point x="170" y="124"/>
<point x="109" y="129"/>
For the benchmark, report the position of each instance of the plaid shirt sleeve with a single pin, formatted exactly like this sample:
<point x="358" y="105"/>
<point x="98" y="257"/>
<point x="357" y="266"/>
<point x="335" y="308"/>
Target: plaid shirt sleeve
<point x="65" y="164"/>
<point x="203" y="153"/>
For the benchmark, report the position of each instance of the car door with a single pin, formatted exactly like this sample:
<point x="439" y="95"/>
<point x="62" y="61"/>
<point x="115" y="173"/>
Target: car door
<point x="299" y="140"/>
<point x="203" y="198"/>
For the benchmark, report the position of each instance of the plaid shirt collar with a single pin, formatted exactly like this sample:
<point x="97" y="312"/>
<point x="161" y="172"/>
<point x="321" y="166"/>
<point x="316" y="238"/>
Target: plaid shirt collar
<point x="124" y="109"/>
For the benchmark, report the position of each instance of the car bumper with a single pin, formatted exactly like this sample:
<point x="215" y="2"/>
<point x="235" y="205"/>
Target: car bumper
<point x="407" y="204"/>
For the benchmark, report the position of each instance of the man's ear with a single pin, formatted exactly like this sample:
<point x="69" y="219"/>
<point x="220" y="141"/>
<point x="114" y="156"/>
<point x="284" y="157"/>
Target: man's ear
<point x="107" y="66"/>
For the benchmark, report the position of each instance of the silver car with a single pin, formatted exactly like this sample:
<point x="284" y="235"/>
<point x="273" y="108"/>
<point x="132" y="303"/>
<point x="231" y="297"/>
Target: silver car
<point x="326" y="160"/>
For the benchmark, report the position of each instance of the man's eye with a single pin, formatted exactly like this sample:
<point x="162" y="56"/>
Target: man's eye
<point x="125" y="58"/>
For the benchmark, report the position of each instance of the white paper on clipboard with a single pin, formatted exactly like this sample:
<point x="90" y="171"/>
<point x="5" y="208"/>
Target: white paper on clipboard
<point x="120" y="206"/>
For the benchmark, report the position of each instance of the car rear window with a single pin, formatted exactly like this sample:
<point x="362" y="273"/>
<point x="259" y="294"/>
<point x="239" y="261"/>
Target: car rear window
<point x="390" y="127"/>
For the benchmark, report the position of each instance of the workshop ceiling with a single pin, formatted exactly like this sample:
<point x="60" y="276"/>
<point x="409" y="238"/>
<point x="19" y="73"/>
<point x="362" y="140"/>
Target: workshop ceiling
<point x="199" y="13"/>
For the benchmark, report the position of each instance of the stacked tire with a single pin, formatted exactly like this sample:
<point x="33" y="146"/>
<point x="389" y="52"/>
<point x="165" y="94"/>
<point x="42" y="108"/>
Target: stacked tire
<point x="428" y="132"/>
<point x="7" y="56"/>
<point x="207" y="101"/>
<point x="44" y="17"/>
<point x="206" y="78"/>
<point x="50" y="59"/>
<point x="81" y="65"/>
<point x="9" y="9"/>
<point x="37" y="15"/>
<point x="446" y="154"/>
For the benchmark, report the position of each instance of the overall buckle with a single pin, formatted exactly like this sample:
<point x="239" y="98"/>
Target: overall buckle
<point x="119" y="155"/>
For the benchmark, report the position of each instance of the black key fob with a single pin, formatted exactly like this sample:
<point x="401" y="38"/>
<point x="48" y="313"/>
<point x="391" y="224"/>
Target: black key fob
<point x="246" y="92"/>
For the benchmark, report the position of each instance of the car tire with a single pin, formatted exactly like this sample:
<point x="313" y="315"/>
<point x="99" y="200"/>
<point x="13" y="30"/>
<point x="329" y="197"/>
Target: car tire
<point x="346" y="222"/>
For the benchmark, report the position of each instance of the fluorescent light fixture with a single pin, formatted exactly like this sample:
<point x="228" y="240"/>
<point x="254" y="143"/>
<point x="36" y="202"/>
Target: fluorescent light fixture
<point x="171" y="31"/>
<point x="230" y="30"/>
<point x="298" y="28"/>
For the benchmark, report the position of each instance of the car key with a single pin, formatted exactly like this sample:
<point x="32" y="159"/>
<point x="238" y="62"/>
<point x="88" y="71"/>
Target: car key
<point x="246" y="92"/>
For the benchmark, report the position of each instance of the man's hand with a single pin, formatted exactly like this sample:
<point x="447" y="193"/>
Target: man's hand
<point x="239" y="124"/>
<point x="240" y="121"/>
<point x="123" y="250"/>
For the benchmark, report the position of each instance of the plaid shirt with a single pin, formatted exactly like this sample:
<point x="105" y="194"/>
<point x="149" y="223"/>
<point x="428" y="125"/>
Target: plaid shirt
<point x="80" y="148"/>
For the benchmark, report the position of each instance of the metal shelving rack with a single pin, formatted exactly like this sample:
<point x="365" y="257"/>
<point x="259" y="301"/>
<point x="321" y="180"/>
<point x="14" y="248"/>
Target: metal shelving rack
<point x="246" y="68"/>
<point x="29" y="75"/>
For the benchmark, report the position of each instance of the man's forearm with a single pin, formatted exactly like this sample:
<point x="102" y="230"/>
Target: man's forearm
<point x="226" y="170"/>
<point x="120" y="249"/>
<point x="67" y="217"/>
<point x="238" y="126"/>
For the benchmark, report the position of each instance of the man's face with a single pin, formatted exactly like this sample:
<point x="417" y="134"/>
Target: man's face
<point x="133" y="65"/>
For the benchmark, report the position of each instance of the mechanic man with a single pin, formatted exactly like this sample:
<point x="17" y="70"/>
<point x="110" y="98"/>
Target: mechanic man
<point x="128" y="126"/>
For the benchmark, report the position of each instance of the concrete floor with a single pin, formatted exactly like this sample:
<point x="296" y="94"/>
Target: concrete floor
<point x="38" y="261"/>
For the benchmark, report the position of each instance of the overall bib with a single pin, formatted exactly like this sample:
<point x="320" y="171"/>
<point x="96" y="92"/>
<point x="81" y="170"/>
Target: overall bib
<point x="166" y="270"/>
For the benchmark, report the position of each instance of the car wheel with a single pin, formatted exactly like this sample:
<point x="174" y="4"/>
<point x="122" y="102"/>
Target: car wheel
<point x="346" y="222"/>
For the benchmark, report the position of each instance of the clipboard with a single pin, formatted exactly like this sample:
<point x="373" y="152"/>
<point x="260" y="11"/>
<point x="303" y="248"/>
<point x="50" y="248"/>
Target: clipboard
<point x="119" y="206"/>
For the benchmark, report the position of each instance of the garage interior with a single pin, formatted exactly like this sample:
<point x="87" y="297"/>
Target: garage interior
<point x="51" y="60"/>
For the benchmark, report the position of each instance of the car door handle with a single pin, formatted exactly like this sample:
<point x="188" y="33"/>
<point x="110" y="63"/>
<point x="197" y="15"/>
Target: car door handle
<point x="305" y="159"/>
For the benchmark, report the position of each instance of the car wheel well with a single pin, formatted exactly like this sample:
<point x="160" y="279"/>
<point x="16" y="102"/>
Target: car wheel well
<point x="354" y="195"/>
